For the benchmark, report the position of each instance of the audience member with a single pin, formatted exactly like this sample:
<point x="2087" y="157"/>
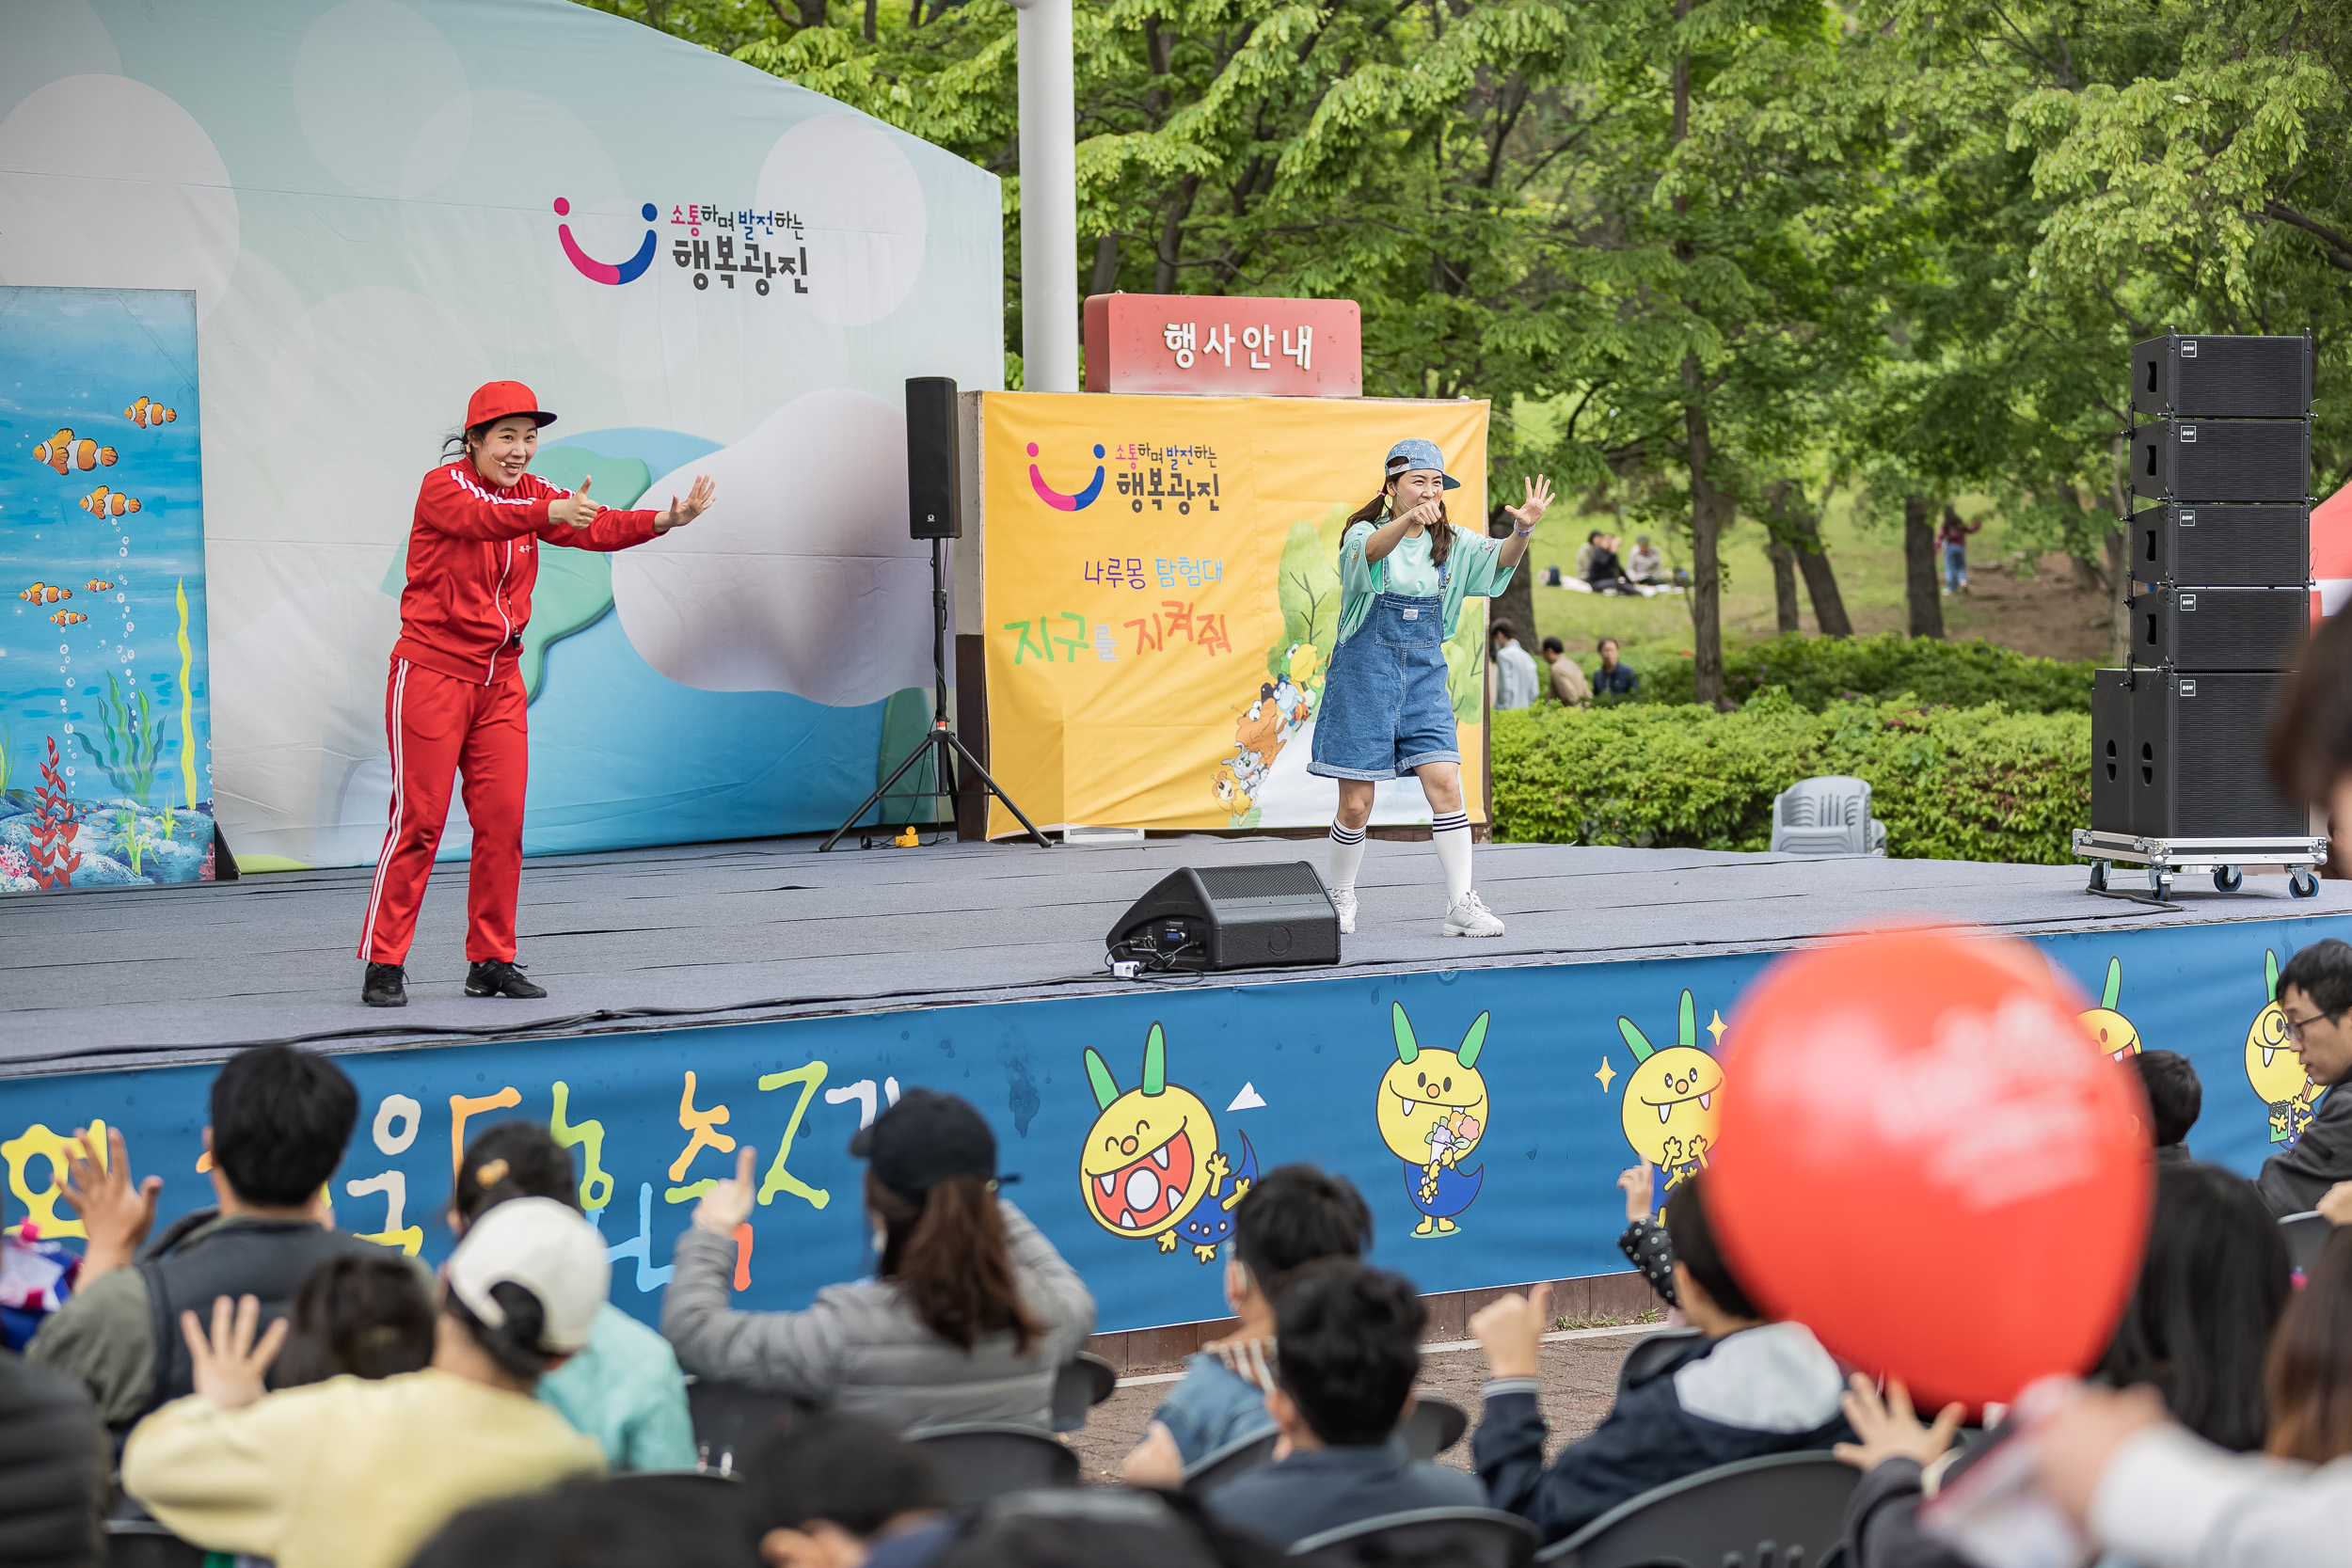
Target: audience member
<point x="1604" y="571"/>
<point x="2310" y="1378"/>
<point x="2309" y="746"/>
<point x="54" y="1460"/>
<point x="1515" y="682"/>
<point x="1584" y="554"/>
<point x="1644" y="1242"/>
<point x="2174" y="1099"/>
<point x="1568" y="685"/>
<point x="1086" y="1527"/>
<point x="1613" y="679"/>
<point x="37" y="1275"/>
<point x="1643" y="563"/>
<point x="354" y="1473"/>
<point x="595" y="1525"/>
<point x="1953" y="536"/>
<point x="2314" y="993"/>
<point x="970" y="1312"/>
<point x="839" y="1491"/>
<point x="2197" y="1329"/>
<point x="280" y="1119"/>
<point x="358" y="1317"/>
<point x="1348" y="1351"/>
<point x="1294" y="1215"/>
<point x="1745" y="1385"/>
<point x="625" y="1389"/>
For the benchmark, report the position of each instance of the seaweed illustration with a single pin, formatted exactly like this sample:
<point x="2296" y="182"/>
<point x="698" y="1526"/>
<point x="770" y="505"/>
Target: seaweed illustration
<point x="187" y="706"/>
<point x="132" y="741"/>
<point x="55" y="859"/>
<point x="127" y="830"/>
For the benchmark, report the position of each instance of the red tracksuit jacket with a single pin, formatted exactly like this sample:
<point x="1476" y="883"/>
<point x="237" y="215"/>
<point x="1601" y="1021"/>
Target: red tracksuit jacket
<point x="472" y="560"/>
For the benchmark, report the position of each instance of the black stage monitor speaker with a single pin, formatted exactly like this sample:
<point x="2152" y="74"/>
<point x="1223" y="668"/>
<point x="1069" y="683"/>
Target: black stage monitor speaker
<point x="2222" y="547"/>
<point x="2112" y="749"/>
<point x="2222" y="460"/>
<point x="2195" y="750"/>
<point x="2221" y="629"/>
<point x="935" y="498"/>
<point x="2216" y="378"/>
<point x="1231" y="917"/>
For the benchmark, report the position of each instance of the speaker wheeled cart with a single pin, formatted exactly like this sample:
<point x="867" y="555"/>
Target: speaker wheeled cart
<point x="2225" y="858"/>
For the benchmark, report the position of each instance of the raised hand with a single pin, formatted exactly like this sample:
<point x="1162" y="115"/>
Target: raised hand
<point x="116" y="1213"/>
<point x="229" y="1365"/>
<point x="698" y="499"/>
<point x="1538" y="502"/>
<point x="576" y="509"/>
<point x="1888" y="1429"/>
<point x="728" y="1204"/>
<point x="1426" y="515"/>
<point x="1510" y="1327"/>
<point x="1636" y="1184"/>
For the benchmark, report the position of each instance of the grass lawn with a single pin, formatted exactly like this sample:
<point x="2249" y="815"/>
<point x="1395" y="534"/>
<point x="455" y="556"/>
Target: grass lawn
<point x="2044" y="613"/>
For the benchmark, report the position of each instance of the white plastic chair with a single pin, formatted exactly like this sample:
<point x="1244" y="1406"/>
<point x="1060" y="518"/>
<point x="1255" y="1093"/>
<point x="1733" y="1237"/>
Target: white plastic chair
<point x="1827" y="816"/>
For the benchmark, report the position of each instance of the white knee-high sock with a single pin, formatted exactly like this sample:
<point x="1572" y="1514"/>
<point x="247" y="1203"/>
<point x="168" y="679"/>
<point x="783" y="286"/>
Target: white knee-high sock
<point x="1347" y="853"/>
<point x="1450" y="832"/>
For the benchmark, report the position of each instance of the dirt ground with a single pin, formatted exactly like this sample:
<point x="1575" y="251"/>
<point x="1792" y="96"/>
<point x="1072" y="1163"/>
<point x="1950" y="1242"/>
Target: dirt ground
<point x="1580" y="1379"/>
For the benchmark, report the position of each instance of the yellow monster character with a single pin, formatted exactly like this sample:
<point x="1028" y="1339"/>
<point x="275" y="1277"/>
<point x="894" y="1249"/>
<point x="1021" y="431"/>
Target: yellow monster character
<point x="1669" y="1113"/>
<point x="1305" y="660"/>
<point x="1432" y="1114"/>
<point x="1227" y="787"/>
<point x="1151" y="1157"/>
<point x="2274" y="1070"/>
<point x="2113" y="1032"/>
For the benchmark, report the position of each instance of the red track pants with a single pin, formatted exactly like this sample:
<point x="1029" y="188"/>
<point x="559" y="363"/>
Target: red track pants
<point x="440" y="726"/>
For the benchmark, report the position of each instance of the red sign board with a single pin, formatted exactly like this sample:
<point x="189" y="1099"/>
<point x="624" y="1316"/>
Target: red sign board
<point x="1224" y="345"/>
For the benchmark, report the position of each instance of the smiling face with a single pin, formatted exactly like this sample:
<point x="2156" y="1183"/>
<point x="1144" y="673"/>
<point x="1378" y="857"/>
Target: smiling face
<point x="1146" y="1161"/>
<point x="1670" y="1104"/>
<point x="505" y="450"/>
<point x="2272" y="1066"/>
<point x="1434" y="1093"/>
<point x="2112" y="1032"/>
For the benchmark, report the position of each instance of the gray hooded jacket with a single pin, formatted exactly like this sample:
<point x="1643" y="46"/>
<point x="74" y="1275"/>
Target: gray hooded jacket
<point x="860" y="1347"/>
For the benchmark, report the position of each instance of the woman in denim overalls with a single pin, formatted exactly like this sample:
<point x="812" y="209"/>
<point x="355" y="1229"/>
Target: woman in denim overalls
<point x="1404" y="572"/>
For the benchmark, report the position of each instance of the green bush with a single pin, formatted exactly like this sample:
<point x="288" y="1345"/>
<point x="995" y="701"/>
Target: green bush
<point x="1980" y="784"/>
<point x="1820" y="671"/>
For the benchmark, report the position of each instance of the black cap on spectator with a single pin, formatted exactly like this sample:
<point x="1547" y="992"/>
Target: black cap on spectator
<point x="923" y="1140"/>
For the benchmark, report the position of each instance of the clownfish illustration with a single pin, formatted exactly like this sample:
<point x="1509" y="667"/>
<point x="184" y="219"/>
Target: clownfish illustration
<point x="102" y="503"/>
<point x="41" y="593"/>
<point x="98" y="587"/>
<point x="61" y="451"/>
<point x="67" y="618"/>
<point x="150" y="414"/>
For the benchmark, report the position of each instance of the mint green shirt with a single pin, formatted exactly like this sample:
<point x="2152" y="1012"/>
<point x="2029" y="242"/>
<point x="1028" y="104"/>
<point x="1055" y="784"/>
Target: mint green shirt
<point x="1409" y="570"/>
<point x="625" y="1390"/>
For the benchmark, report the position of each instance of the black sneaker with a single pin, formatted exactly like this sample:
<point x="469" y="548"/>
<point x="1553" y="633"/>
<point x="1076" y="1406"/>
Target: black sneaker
<point x="497" y="977"/>
<point x="387" y="985"/>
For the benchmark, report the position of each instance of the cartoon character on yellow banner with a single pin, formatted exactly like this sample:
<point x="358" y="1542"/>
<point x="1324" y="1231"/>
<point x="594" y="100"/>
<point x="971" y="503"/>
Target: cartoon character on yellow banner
<point x="2274" y="1070"/>
<point x="1432" y="1112"/>
<point x="2114" y="1033"/>
<point x="1669" y="1113"/>
<point x="1148" y="1165"/>
<point x="1283" y="706"/>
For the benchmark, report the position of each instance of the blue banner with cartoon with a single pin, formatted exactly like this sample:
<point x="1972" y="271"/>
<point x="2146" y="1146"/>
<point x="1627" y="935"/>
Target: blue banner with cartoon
<point x="1483" y="1114"/>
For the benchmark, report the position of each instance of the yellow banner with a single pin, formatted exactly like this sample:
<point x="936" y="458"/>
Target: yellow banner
<point x="1161" y="594"/>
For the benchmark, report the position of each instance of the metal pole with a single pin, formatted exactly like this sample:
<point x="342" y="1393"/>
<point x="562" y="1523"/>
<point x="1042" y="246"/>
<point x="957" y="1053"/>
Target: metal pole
<point x="1049" y="198"/>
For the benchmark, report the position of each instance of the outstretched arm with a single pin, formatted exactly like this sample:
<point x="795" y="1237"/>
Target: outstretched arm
<point x="1526" y="515"/>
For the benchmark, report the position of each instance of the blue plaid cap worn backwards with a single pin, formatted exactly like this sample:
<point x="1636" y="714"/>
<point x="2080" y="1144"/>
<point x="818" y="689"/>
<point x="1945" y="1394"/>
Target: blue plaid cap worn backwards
<point x="1406" y="455"/>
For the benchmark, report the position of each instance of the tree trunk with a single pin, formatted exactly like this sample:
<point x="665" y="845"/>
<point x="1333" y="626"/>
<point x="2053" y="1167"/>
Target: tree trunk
<point x="1706" y="608"/>
<point x="1517" y="602"/>
<point x="1820" y="578"/>
<point x="870" y="5"/>
<point x="1927" y="605"/>
<point x="1105" y="265"/>
<point x="1784" y="562"/>
<point x="812" y="13"/>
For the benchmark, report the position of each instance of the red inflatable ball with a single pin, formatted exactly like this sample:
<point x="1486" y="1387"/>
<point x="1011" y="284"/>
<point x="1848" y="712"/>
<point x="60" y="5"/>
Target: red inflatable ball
<point x="1924" y="1159"/>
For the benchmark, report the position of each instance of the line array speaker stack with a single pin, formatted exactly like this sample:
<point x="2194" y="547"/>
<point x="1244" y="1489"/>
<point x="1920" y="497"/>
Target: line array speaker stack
<point x="2221" y="562"/>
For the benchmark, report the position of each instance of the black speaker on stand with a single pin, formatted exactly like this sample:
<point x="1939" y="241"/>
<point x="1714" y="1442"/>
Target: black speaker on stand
<point x="935" y="512"/>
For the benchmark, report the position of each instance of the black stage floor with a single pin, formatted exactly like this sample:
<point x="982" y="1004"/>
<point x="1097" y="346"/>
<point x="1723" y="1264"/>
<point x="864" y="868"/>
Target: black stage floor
<point x="654" y="938"/>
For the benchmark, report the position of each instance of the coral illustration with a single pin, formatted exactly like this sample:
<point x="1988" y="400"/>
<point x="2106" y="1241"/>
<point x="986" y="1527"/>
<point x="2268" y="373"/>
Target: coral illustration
<point x="55" y="859"/>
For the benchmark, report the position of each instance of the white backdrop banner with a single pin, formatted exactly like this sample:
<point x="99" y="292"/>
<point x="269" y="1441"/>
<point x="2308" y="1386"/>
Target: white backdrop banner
<point x="699" y="267"/>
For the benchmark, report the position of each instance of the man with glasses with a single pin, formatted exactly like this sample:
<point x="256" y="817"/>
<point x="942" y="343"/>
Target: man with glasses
<point x="2316" y="993"/>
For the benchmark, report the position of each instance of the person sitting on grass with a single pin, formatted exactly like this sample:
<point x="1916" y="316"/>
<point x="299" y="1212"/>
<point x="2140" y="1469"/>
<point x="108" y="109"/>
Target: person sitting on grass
<point x="280" y="1119"/>
<point x="1348" y="1351"/>
<point x="1294" y="1215"/>
<point x="1745" y="1387"/>
<point x="2174" y="1099"/>
<point x="358" y="1473"/>
<point x="839" y="1491"/>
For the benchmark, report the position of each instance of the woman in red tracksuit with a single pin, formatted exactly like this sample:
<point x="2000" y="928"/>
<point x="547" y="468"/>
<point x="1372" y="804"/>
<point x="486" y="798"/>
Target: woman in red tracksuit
<point x="454" y="701"/>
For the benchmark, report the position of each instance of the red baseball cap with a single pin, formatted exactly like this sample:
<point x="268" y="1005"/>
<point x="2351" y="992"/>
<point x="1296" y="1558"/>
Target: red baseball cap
<point x="497" y="400"/>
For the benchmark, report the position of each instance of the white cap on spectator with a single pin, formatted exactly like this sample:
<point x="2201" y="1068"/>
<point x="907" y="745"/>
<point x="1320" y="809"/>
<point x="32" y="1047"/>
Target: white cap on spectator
<point x="548" y="1249"/>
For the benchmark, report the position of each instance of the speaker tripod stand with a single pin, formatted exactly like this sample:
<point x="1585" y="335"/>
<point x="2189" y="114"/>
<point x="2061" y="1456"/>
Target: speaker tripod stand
<point x="941" y="744"/>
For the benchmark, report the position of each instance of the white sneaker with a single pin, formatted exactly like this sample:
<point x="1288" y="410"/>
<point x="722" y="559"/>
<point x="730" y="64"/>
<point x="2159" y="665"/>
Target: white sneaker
<point x="1469" y="917"/>
<point x="1343" y="900"/>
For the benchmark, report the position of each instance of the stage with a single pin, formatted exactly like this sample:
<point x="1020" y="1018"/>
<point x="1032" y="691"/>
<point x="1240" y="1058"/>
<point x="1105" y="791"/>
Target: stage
<point x="759" y="990"/>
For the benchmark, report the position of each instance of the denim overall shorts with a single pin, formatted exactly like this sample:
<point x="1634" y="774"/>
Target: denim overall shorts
<point x="1385" y="709"/>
